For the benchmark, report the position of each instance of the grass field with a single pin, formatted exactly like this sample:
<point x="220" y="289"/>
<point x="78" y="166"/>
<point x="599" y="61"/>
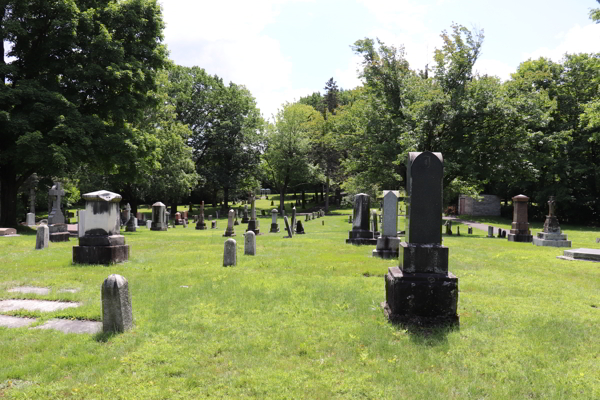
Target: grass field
<point x="301" y="320"/>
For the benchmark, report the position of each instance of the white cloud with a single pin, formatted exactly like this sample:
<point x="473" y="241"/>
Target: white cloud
<point x="347" y="78"/>
<point x="404" y="14"/>
<point x="227" y="39"/>
<point x="494" y="68"/>
<point x="578" y="39"/>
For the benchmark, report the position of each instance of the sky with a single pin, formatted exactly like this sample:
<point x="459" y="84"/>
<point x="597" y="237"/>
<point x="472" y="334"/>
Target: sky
<point x="282" y="50"/>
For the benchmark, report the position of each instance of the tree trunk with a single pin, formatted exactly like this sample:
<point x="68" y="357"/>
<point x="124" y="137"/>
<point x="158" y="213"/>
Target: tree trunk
<point x="214" y="198"/>
<point x="327" y="194"/>
<point x="8" y="197"/>
<point x="226" y="199"/>
<point x="303" y="198"/>
<point x="282" y="199"/>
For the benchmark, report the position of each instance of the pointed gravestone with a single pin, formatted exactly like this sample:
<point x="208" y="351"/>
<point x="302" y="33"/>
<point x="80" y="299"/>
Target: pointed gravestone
<point x="293" y="219"/>
<point x="250" y="244"/>
<point x="230" y="231"/>
<point x="229" y="254"/>
<point x="102" y="242"/>
<point x="299" y="228"/>
<point x="42" y="237"/>
<point x="421" y="291"/>
<point x="361" y="233"/>
<point x="388" y="242"/>
<point x="117" y="315"/>
<point x="245" y="218"/>
<point x="56" y="219"/>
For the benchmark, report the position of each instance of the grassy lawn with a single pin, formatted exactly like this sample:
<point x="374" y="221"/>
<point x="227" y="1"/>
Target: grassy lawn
<point x="301" y="319"/>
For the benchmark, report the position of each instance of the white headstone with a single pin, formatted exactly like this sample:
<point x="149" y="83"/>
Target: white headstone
<point x="390" y="213"/>
<point x="229" y="255"/>
<point x="250" y="244"/>
<point x="42" y="237"/>
<point x="30" y="219"/>
<point x="149" y="224"/>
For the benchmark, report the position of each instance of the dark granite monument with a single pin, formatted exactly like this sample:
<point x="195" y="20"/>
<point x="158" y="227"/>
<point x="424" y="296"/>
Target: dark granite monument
<point x="551" y="234"/>
<point x="200" y="224"/>
<point x="520" y="227"/>
<point x="102" y="242"/>
<point x="361" y="233"/>
<point x="421" y="291"/>
<point x="159" y="217"/>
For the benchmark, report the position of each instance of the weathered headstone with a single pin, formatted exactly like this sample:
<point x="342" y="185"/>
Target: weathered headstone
<point x="159" y="217"/>
<point x="253" y="224"/>
<point x="245" y="218"/>
<point x="30" y="219"/>
<point x="250" y="244"/>
<point x="520" y="227"/>
<point x="551" y="234"/>
<point x="55" y="194"/>
<point x="230" y="231"/>
<point x="177" y="218"/>
<point x="300" y="228"/>
<point x="470" y="230"/>
<point x="360" y="233"/>
<point x="388" y="242"/>
<point x="288" y="229"/>
<point x="131" y="225"/>
<point x="420" y="290"/>
<point x="126" y="214"/>
<point x="272" y="204"/>
<point x="117" y="315"/>
<point x="42" y="237"/>
<point x="200" y="224"/>
<point x="229" y="255"/>
<point x="490" y="232"/>
<point x="102" y="242"/>
<point x="458" y="231"/>
<point x="349" y="219"/>
<point x="184" y="221"/>
<point x="274" y="224"/>
<point x="374" y="224"/>
<point x="293" y="219"/>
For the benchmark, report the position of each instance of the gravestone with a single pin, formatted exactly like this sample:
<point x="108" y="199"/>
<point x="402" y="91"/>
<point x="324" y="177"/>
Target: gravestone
<point x="551" y="234"/>
<point x="200" y="224"/>
<point x="581" y="254"/>
<point x="55" y="195"/>
<point x="229" y="255"/>
<point x="360" y="233"/>
<point x="274" y="224"/>
<point x="288" y="229"/>
<point x="102" y="242"/>
<point x="149" y="224"/>
<point x="159" y="217"/>
<point x="30" y="219"/>
<point x="177" y="218"/>
<point x="253" y="224"/>
<point x="126" y="214"/>
<point x="131" y="225"/>
<point x="499" y="232"/>
<point x="213" y="224"/>
<point x="80" y="223"/>
<point x="42" y="237"/>
<point x="349" y="219"/>
<point x="117" y="315"/>
<point x="245" y="218"/>
<point x="8" y="232"/>
<point x="272" y="204"/>
<point x="470" y="230"/>
<point x="490" y="232"/>
<point x="458" y="231"/>
<point x="448" y="225"/>
<point x="250" y="244"/>
<point x="520" y="227"/>
<point x="299" y="228"/>
<point x="217" y="214"/>
<point x="293" y="219"/>
<point x="421" y="291"/>
<point x="389" y="242"/>
<point x="230" y="231"/>
<point x="235" y="222"/>
<point x="184" y="221"/>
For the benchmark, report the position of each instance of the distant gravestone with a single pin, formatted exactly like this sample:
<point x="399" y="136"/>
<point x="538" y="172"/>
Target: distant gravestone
<point x="30" y="219"/>
<point x="421" y="291"/>
<point x="458" y="231"/>
<point x="349" y="219"/>
<point x="374" y="223"/>
<point x="274" y="224"/>
<point x="184" y="222"/>
<point x="551" y="235"/>
<point x="253" y="223"/>
<point x="213" y="224"/>
<point x="229" y="255"/>
<point x="293" y="219"/>
<point x="200" y="224"/>
<point x="388" y="242"/>
<point x="149" y="224"/>
<point x="360" y="233"/>
<point x="245" y="218"/>
<point x="448" y="225"/>
<point x="490" y="231"/>
<point x="470" y="230"/>
<point x="520" y="226"/>
<point x="287" y="228"/>
<point x="117" y="315"/>
<point x="131" y="225"/>
<point x="55" y="194"/>
<point x="42" y="237"/>
<point x="159" y="217"/>
<point x="229" y="231"/>
<point x="8" y="232"/>
<point x="300" y="228"/>
<point x="250" y="244"/>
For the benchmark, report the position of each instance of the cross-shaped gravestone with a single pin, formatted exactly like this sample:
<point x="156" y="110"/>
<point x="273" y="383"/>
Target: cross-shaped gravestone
<point x="56" y="216"/>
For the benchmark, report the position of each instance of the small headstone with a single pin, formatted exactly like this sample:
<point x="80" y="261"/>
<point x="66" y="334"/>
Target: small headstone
<point x="458" y="231"/>
<point x="287" y="228"/>
<point x="8" y="231"/>
<point x="131" y="224"/>
<point x="42" y="237"/>
<point x="597" y="240"/>
<point x="229" y="255"/>
<point x="159" y="217"/>
<point x="30" y="219"/>
<point x="470" y="230"/>
<point x="274" y="224"/>
<point x="499" y="232"/>
<point x="490" y="231"/>
<point x="272" y="204"/>
<point x="149" y="224"/>
<point x="250" y="244"/>
<point x="117" y="315"/>
<point x="213" y="224"/>
<point x="200" y="224"/>
<point x="217" y="213"/>
<point x="300" y="228"/>
<point x="184" y="221"/>
<point x="349" y="219"/>
<point x="448" y="225"/>
<point x="360" y="233"/>
<point x="293" y="219"/>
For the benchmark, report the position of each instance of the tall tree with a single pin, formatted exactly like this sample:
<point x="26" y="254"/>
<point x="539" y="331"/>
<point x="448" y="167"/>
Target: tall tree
<point x="77" y="75"/>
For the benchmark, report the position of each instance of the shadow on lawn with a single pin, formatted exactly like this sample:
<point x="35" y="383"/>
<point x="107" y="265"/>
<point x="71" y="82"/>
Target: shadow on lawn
<point x="429" y="336"/>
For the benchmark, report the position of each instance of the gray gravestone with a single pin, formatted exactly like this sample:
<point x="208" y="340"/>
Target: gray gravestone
<point x="274" y="224"/>
<point x="293" y="219"/>
<point x="229" y="231"/>
<point x="55" y="194"/>
<point x="200" y="224"/>
<point x="490" y="231"/>
<point x="287" y="227"/>
<point x="300" y="228"/>
<point x="229" y="255"/>
<point x="131" y="225"/>
<point x="250" y="244"/>
<point x="389" y="242"/>
<point x="149" y="224"/>
<point x="253" y="224"/>
<point x="42" y="237"/>
<point x="245" y="218"/>
<point x="361" y="233"/>
<point x="30" y="219"/>
<point x="551" y="234"/>
<point x="421" y="291"/>
<point x="159" y="217"/>
<point x="116" y="305"/>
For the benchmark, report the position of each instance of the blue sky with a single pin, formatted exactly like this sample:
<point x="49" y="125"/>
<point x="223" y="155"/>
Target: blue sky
<point x="284" y="49"/>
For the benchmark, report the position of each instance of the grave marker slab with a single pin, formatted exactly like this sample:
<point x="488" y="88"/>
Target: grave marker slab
<point x="389" y="242"/>
<point x="230" y="253"/>
<point x="117" y="315"/>
<point x="229" y="231"/>
<point x="159" y="217"/>
<point x="274" y="224"/>
<point x="42" y="237"/>
<point x="250" y="244"/>
<point x="360" y="233"/>
<point x="200" y="224"/>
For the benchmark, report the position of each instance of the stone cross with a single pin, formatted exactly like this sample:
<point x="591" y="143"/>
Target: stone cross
<point x="56" y="216"/>
<point x="116" y="305"/>
<point x="229" y="254"/>
<point x="551" y="205"/>
<point x="250" y="244"/>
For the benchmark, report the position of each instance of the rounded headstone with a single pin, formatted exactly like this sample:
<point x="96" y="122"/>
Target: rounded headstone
<point x="116" y="305"/>
<point x="250" y="244"/>
<point x="229" y="255"/>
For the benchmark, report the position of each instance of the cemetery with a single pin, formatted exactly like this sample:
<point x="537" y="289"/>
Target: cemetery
<point x="426" y="233"/>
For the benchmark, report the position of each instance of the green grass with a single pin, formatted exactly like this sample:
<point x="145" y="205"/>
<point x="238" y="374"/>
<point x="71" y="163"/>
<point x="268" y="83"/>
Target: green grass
<point x="301" y="319"/>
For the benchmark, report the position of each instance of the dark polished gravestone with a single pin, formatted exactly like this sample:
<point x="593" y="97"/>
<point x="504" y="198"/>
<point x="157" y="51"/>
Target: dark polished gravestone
<point x="361" y="233"/>
<point x="421" y="291"/>
<point x="520" y="226"/>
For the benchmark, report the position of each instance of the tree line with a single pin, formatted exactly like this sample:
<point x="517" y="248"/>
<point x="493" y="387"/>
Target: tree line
<point x="91" y="98"/>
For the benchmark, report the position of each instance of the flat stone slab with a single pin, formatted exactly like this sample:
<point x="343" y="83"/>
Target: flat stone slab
<point x="15" y="322"/>
<point x="68" y="291"/>
<point x="72" y="326"/>
<point x="581" y="254"/>
<point x="30" y="289"/>
<point x="35" y="305"/>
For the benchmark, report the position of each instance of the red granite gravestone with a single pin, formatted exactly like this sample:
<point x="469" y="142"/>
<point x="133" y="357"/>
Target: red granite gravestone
<point x="520" y="227"/>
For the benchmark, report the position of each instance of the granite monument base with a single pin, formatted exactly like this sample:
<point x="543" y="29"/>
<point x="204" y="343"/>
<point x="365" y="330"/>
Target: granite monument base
<point x="100" y="254"/>
<point x="59" y="233"/>
<point x="253" y="226"/>
<point x="551" y="239"/>
<point x="423" y="258"/>
<point x="421" y="299"/>
<point x="361" y="237"/>
<point x="158" y="226"/>
<point x="387" y="247"/>
<point x="519" y="237"/>
<point x="581" y="255"/>
<point x="274" y="228"/>
<point x="201" y="225"/>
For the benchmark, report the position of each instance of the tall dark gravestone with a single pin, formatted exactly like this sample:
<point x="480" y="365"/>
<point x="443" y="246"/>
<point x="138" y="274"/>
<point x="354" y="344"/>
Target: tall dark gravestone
<point x="361" y="233"/>
<point x="421" y="291"/>
<point x="520" y="226"/>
